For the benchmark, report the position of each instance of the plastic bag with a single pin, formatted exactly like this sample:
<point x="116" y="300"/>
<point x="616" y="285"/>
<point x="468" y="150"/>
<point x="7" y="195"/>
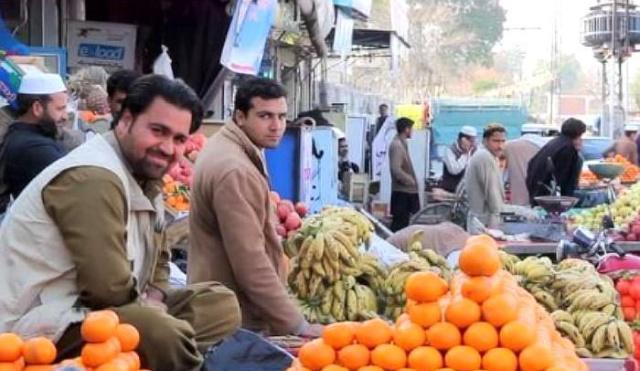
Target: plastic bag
<point x="246" y="351"/>
<point x="162" y="64"/>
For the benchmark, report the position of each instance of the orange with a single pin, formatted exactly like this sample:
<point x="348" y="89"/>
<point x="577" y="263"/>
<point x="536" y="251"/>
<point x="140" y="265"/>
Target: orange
<point x="462" y="312"/>
<point x="425" y="314"/>
<point x="97" y="354"/>
<point x="408" y="336"/>
<point x="99" y="326"/>
<point x="482" y="238"/>
<point x="425" y="359"/>
<point x="535" y="358"/>
<point x="463" y="358"/>
<point x="39" y="351"/>
<point x="481" y="336"/>
<point x="389" y="357"/>
<point x="443" y="336"/>
<point x="425" y="287"/>
<point x="316" y="354"/>
<point x="404" y="317"/>
<point x="370" y="368"/>
<point x="338" y="335"/>
<point x="373" y="332"/>
<point x="516" y="336"/>
<point x="9" y="366"/>
<point x="128" y="336"/>
<point x="477" y="289"/>
<point x="334" y="368"/>
<point x="479" y="259"/>
<point x="500" y="359"/>
<point x="39" y="368"/>
<point x="131" y="358"/>
<point x="115" y="365"/>
<point x="354" y="356"/>
<point x="10" y="347"/>
<point x="500" y="309"/>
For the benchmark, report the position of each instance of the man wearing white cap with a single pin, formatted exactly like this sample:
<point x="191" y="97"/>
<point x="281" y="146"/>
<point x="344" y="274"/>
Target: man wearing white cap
<point x="30" y="144"/>
<point x="626" y="145"/>
<point x="456" y="158"/>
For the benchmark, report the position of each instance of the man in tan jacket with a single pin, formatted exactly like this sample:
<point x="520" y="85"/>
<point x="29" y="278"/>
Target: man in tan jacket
<point x="88" y="234"/>
<point x="404" y="185"/>
<point x="232" y="222"/>
<point x="626" y="145"/>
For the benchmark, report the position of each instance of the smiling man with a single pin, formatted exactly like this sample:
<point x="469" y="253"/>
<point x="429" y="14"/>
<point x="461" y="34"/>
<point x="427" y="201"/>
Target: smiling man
<point x="87" y="234"/>
<point x="232" y="223"/>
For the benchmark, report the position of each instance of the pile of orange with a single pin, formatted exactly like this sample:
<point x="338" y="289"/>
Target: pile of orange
<point x="481" y="320"/>
<point x="587" y="178"/>
<point x="110" y="346"/>
<point x="176" y="194"/>
<point x="631" y="171"/>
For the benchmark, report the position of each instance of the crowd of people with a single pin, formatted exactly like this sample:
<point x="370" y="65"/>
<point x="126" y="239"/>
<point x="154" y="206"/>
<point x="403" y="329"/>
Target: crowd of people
<point x="85" y="229"/>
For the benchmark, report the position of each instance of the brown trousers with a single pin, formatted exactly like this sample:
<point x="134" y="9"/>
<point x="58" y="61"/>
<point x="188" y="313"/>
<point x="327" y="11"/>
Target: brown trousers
<point x="197" y="317"/>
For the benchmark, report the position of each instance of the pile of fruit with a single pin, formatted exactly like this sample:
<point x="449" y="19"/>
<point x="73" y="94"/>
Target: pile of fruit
<point x="583" y="303"/>
<point x="110" y="346"/>
<point x="194" y="145"/>
<point x="175" y="193"/>
<point x="182" y="172"/>
<point x="482" y="319"/>
<point x="289" y="216"/>
<point x="631" y="171"/>
<point x="419" y="260"/>
<point x="331" y="278"/>
<point x="624" y="212"/>
<point x="588" y="178"/>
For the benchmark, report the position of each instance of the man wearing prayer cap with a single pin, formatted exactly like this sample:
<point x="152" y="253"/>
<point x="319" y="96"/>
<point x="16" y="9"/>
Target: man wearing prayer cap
<point x="30" y="144"/>
<point x="456" y="158"/>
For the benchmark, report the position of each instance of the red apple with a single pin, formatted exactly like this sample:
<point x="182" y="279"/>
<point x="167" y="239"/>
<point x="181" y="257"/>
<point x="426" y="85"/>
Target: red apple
<point x="283" y="211"/>
<point x="301" y="209"/>
<point x="293" y="221"/>
<point x="275" y="197"/>
<point x="281" y="230"/>
<point x="288" y="204"/>
<point x="635" y="229"/>
<point x="632" y="237"/>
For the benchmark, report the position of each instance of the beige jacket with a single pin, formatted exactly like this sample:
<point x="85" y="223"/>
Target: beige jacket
<point x="403" y="178"/>
<point x="232" y="232"/>
<point x="38" y="290"/>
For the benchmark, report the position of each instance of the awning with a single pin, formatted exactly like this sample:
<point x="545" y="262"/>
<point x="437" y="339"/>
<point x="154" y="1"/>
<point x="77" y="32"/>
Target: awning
<point x="371" y="39"/>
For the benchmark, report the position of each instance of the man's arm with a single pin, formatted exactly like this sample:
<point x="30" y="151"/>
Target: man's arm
<point x="239" y="208"/>
<point x="395" y="164"/>
<point x="455" y="166"/>
<point x="493" y="187"/>
<point x="567" y="170"/>
<point x="88" y="206"/>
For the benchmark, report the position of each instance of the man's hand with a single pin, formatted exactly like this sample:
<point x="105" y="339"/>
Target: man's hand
<point x="311" y="331"/>
<point x="154" y="298"/>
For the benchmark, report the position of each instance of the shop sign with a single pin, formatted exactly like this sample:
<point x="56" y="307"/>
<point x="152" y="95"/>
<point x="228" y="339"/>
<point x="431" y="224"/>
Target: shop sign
<point x="110" y="45"/>
<point x="247" y="35"/>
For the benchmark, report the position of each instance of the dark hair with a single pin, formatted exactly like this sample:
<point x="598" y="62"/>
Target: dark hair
<point x="573" y="128"/>
<point x="145" y="89"/>
<point x="121" y="80"/>
<point x="403" y="123"/>
<point x="343" y="139"/>
<point x="384" y="105"/>
<point x="463" y="135"/>
<point x="26" y="101"/>
<point x="491" y="129"/>
<point x="252" y="87"/>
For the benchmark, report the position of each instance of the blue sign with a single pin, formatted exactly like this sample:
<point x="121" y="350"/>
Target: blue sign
<point x="247" y="35"/>
<point x="108" y="52"/>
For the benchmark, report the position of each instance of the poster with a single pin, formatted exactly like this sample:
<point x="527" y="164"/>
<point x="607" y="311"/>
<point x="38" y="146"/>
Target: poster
<point x="110" y="45"/>
<point x="306" y="164"/>
<point x="244" y="47"/>
<point x="10" y="78"/>
<point x="380" y="146"/>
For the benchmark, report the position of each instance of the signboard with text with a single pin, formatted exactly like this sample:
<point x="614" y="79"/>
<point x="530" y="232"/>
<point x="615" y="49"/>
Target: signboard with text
<point x="110" y="45"/>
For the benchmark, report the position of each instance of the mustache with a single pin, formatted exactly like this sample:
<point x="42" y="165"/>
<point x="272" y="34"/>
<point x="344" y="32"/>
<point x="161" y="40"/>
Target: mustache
<point x="160" y="153"/>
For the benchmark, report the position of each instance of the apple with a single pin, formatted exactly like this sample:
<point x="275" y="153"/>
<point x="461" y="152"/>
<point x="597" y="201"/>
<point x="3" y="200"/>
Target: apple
<point x="632" y="237"/>
<point x="281" y="230"/>
<point x="283" y="211"/>
<point x="293" y="221"/>
<point x="288" y="204"/>
<point x="635" y="229"/>
<point x="301" y="209"/>
<point x="275" y="197"/>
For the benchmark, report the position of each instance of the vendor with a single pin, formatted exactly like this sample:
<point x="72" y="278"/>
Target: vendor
<point x="232" y="221"/>
<point x="86" y="234"/>
<point x="442" y="238"/>
<point x="626" y="145"/>
<point x="559" y="159"/>
<point x="344" y="165"/>
<point x="30" y="144"/>
<point x="518" y="153"/>
<point x="456" y="158"/>
<point x="483" y="180"/>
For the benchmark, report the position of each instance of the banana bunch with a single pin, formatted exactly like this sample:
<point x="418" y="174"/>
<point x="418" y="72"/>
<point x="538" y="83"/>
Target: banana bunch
<point x="419" y="260"/>
<point x="508" y="261"/>
<point x="345" y="300"/>
<point x="535" y="270"/>
<point x="596" y="334"/>
<point x="344" y="217"/>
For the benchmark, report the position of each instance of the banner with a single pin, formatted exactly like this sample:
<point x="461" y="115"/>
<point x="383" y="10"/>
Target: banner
<point x="8" y="43"/>
<point x="110" y="45"/>
<point x="10" y="77"/>
<point x="247" y="35"/>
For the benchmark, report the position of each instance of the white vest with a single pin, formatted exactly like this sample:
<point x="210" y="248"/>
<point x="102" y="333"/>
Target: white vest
<point x="38" y="291"/>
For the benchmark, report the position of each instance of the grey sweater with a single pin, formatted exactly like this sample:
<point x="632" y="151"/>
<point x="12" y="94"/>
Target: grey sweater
<point x="484" y="188"/>
<point x="403" y="178"/>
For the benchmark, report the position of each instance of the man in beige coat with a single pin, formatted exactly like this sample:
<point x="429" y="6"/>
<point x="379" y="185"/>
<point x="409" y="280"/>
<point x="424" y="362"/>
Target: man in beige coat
<point x="404" y="185"/>
<point x="232" y="222"/>
<point x="518" y="153"/>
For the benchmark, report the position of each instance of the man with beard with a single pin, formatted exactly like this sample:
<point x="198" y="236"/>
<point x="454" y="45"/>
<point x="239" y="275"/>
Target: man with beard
<point x="30" y="144"/>
<point x="232" y="222"/>
<point x="88" y="234"/>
